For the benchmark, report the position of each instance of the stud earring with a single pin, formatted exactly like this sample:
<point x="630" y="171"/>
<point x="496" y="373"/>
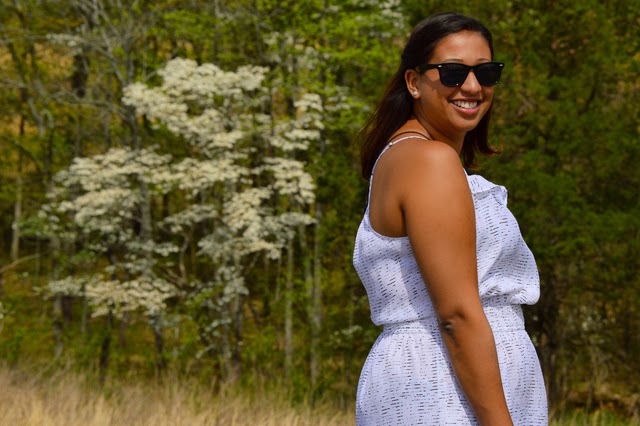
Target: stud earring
<point x="415" y="94"/>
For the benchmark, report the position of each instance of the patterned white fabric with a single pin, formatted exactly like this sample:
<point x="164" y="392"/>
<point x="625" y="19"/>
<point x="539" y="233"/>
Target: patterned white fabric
<point x="407" y="378"/>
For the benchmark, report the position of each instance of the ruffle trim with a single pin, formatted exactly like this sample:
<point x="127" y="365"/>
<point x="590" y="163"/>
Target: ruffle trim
<point x="480" y="188"/>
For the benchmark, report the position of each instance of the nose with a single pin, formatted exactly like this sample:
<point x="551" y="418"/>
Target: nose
<point x="471" y="84"/>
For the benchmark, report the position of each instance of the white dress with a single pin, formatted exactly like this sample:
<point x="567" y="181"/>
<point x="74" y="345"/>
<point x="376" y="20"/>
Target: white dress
<point x="407" y="378"/>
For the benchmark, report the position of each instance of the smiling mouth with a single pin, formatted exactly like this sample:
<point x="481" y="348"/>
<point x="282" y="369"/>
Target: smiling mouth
<point x="465" y="105"/>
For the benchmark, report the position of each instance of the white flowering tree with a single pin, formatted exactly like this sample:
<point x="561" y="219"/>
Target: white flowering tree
<point x="242" y="181"/>
<point x="240" y="193"/>
<point x="95" y="212"/>
<point x="95" y="204"/>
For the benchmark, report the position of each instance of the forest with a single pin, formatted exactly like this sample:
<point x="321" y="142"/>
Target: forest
<point x="180" y="187"/>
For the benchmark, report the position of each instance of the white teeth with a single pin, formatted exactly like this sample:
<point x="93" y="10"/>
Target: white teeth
<point x="466" y="105"/>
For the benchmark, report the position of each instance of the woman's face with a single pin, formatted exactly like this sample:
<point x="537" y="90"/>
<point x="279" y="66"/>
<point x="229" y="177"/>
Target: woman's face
<point x="450" y="112"/>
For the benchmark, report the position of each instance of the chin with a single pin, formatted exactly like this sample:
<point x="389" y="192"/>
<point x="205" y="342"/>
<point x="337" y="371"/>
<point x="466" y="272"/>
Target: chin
<point x="469" y="126"/>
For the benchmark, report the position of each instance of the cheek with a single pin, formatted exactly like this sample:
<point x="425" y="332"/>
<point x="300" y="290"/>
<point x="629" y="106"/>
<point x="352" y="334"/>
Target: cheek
<point x="488" y="94"/>
<point x="434" y="104"/>
<point x="440" y="95"/>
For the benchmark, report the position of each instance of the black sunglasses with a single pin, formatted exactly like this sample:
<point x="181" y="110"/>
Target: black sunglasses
<point x="454" y="74"/>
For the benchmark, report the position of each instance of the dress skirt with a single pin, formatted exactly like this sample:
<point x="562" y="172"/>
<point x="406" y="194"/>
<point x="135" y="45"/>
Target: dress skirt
<point x="408" y="379"/>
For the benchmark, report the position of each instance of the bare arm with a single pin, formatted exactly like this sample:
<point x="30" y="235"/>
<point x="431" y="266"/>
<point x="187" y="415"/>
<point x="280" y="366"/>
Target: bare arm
<point x="440" y="221"/>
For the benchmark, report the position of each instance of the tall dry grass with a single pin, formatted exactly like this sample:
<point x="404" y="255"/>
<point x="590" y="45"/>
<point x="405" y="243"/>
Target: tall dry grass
<point x="68" y="400"/>
<point x="71" y="400"/>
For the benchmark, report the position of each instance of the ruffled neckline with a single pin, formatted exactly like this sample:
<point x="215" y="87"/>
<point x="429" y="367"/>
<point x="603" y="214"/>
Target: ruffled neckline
<point x="481" y="187"/>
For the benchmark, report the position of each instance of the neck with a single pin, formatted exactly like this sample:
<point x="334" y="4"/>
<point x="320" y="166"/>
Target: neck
<point x="455" y="141"/>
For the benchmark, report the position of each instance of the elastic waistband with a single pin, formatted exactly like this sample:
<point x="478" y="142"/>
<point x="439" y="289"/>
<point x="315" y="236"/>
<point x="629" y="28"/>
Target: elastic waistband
<point x="501" y="318"/>
<point x="505" y="317"/>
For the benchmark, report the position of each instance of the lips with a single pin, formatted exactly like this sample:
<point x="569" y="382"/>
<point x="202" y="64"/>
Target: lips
<point x="468" y="109"/>
<point x="465" y="104"/>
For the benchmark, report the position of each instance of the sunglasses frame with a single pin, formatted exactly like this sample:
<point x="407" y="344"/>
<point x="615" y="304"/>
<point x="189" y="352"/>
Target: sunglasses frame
<point x="425" y="67"/>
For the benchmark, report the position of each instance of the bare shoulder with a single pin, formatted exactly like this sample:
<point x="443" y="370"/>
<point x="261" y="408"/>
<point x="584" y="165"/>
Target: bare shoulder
<point x="418" y="162"/>
<point x="419" y="184"/>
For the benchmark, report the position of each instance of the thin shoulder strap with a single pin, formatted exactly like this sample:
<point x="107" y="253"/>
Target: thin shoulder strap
<point x="389" y="145"/>
<point x="411" y="131"/>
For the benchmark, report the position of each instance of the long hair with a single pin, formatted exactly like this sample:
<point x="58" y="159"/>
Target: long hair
<point x="396" y="106"/>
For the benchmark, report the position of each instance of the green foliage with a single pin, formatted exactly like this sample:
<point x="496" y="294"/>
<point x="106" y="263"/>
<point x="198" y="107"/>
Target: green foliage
<point x="564" y="116"/>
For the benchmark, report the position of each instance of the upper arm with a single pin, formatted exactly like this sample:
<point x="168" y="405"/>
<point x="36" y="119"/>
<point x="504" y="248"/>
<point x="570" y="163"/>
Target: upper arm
<point x="440" y="220"/>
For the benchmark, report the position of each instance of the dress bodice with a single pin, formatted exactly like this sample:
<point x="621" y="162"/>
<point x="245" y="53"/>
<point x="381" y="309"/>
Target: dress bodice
<point x="507" y="272"/>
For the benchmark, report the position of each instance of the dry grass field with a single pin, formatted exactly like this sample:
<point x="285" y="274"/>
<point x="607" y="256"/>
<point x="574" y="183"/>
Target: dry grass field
<point x="69" y="400"/>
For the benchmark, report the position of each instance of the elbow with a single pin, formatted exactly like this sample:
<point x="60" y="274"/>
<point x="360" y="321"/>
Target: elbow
<point x="455" y="321"/>
<point x="451" y="323"/>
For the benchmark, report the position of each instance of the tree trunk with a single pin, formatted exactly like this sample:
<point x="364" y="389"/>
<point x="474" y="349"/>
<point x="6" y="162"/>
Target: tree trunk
<point x="550" y="344"/>
<point x="17" y="206"/>
<point x="158" y="338"/>
<point x="226" y="353"/>
<point x="84" y="320"/>
<point x="105" y="350"/>
<point x="310" y="285"/>
<point x="288" y="314"/>
<point x="236" y="354"/>
<point x="58" y="322"/>
<point x="17" y="215"/>
<point x="58" y="327"/>
<point x="316" y="303"/>
<point x="122" y="330"/>
<point x="181" y="256"/>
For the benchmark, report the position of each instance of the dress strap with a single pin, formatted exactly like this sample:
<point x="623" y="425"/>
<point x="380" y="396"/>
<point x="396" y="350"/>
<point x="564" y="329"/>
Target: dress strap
<point x="389" y="145"/>
<point x="412" y="131"/>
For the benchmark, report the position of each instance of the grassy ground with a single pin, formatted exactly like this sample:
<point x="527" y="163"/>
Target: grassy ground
<point x="598" y="418"/>
<point x="69" y="400"/>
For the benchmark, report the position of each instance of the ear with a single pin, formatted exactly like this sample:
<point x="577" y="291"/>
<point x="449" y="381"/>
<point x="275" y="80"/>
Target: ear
<point x="411" y="77"/>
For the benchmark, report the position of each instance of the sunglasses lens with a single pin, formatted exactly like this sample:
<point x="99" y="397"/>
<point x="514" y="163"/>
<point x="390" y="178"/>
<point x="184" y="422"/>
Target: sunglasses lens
<point x="452" y="75"/>
<point x="489" y="74"/>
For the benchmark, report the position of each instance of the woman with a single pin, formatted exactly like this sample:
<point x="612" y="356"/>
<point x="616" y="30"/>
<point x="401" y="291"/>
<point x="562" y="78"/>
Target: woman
<point x="440" y="255"/>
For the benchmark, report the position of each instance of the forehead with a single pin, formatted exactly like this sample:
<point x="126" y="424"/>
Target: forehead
<point x="463" y="45"/>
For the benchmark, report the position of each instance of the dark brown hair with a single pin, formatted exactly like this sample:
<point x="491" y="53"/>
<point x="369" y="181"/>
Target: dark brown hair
<point x="396" y="106"/>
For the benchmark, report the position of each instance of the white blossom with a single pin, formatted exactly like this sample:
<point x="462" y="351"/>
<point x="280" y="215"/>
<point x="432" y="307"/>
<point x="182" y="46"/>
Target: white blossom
<point x="190" y="216"/>
<point x="244" y="181"/>
<point x="117" y="297"/>
<point x="196" y="176"/>
<point x="72" y="42"/>
<point x="291" y="180"/>
<point x="68" y="286"/>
